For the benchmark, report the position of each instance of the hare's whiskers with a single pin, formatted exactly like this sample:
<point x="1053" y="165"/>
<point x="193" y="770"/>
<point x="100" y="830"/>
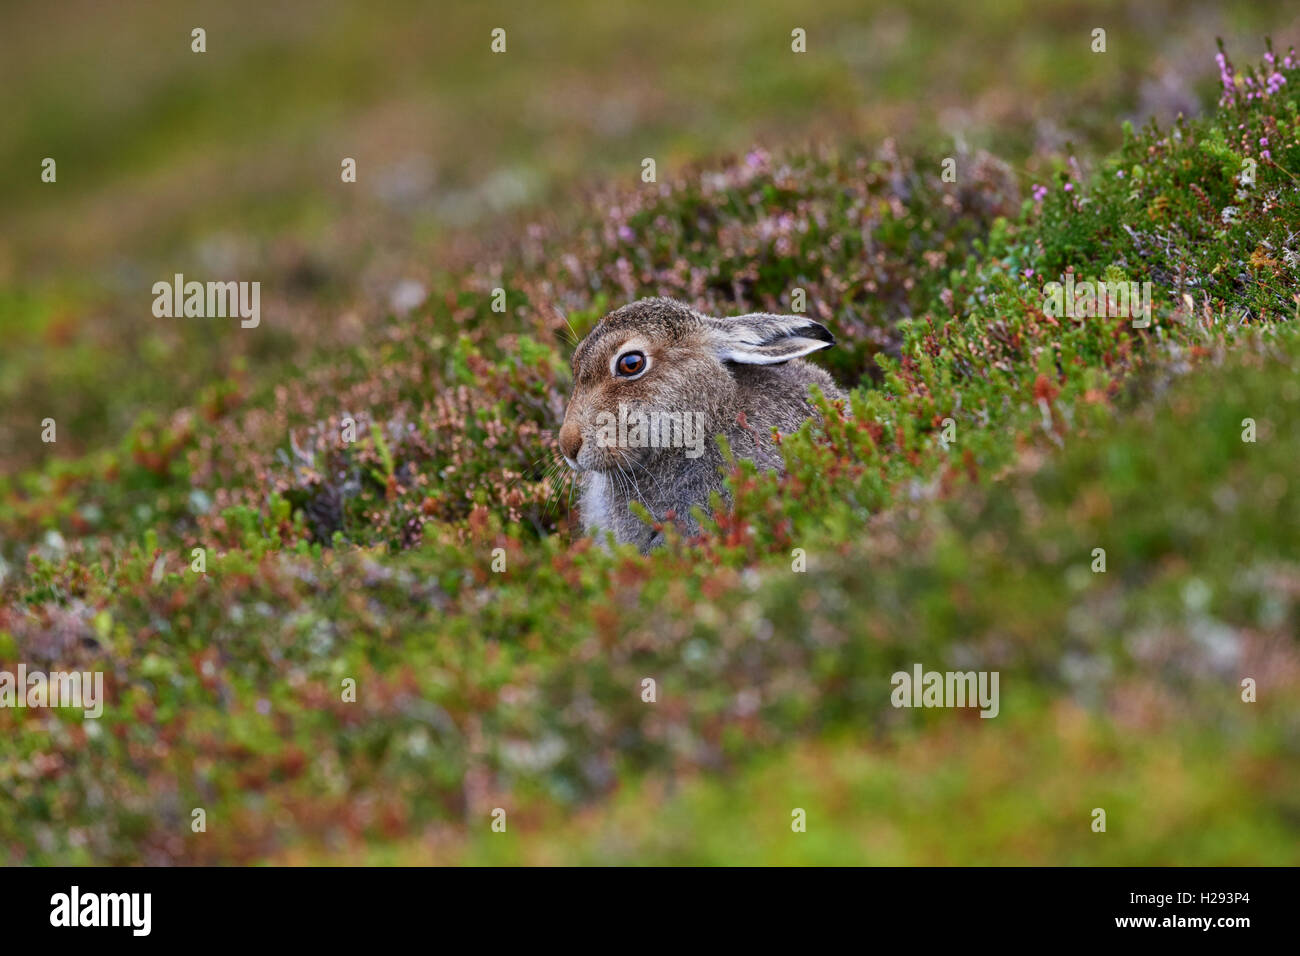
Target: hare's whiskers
<point x="659" y="490"/>
<point x="556" y="481"/>
<point x="572" y="330"/>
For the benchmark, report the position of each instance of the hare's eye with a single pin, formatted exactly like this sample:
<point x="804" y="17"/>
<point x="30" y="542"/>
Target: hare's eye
<point x="630" y="363"/>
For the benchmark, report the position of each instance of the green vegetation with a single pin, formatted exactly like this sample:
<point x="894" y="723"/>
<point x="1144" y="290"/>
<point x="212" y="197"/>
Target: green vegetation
<point x="372" y="561"/>
<point x="227" y="164"/>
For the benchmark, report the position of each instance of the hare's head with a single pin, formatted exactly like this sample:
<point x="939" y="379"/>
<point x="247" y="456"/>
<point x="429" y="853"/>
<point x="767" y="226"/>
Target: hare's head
<point x="658" y="358"/>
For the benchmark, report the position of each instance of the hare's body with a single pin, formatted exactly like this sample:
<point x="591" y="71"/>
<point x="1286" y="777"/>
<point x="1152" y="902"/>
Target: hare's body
<point x="658" y="360"/>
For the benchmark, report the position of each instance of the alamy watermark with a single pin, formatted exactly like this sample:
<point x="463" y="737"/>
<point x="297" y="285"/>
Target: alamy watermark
<point x="1117" y="299"/>
<point x="82" y="690"/>
<point x="923" y="688"/>
<point x="633" y="428"/>
<point x="133" y="911"/>
<point x="208" y="300"/>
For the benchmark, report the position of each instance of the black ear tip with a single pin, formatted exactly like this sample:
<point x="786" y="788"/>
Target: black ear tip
<point x="815" y="330"/>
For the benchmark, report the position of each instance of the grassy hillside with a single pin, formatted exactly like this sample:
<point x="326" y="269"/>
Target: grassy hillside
<point x="226" y="164"/>
<point x="372" y="561"/>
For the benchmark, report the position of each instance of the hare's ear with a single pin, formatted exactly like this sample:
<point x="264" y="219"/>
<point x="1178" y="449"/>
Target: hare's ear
<point x="763" y="339"/>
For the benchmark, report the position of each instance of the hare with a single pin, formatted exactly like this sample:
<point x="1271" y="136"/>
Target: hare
<point x="655" y="382"/>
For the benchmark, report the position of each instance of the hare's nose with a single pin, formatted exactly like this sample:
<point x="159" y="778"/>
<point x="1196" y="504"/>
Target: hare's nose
<point x="570" y="440"/>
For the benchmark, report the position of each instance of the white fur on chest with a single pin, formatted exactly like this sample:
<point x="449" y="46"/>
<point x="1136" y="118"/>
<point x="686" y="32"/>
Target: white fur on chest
<point x="595" y="503"/>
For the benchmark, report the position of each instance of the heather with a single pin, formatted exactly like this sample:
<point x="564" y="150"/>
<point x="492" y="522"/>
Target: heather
<point x="225" y="165"/>
<point x="372" y="560"/>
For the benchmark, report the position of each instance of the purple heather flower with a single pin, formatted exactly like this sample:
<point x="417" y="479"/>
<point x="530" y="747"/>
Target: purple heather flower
<point x="1069" y="187"/>
<point x="1225" y="72"/>
<point x="1225" y="77"/>
<point x="1040" y="193"/>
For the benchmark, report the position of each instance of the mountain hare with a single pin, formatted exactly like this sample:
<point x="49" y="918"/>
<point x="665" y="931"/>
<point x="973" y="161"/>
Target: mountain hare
<point x="655" y="382"/>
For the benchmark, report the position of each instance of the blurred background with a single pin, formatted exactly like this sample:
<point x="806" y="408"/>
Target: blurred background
<point x="225" y="164"/>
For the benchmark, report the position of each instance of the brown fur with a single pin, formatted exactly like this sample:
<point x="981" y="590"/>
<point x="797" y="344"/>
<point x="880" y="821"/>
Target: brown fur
<point x="697" y="364"/>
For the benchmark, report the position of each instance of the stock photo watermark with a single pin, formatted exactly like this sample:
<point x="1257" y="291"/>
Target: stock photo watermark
<point x="634" y="428"/>
<point x="1097" y="298"/>
<point x="76" y="690"/>
<point x="208" y="300"/>
<point x="922" y="688"/>
<point x="133" y="911"/>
